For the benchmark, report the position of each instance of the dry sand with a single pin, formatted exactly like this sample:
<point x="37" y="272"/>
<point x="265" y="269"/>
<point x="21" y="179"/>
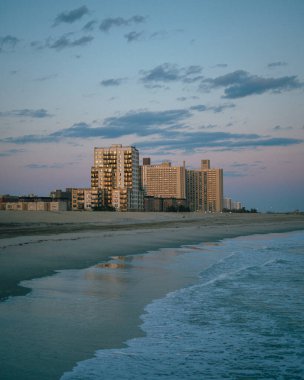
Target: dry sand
<point x="25" y="253"/>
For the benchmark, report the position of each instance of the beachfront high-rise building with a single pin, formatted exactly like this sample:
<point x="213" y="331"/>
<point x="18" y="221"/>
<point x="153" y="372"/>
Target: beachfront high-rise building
<point x="194" y="189"/>
<point x="116" y="172"/>
<point x="205" y="164"/>
<point x="163" y="180"/>
<point x="204" y="188"/>
<point x="212" y="190"/>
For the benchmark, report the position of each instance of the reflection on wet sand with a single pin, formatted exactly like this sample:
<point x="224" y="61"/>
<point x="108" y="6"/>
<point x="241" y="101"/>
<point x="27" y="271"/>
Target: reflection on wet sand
<point x="111" y="265"/>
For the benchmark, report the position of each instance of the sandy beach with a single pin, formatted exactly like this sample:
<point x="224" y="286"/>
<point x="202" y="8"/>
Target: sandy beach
<point x="127" y="260"/>
<point x="120" y="233"/>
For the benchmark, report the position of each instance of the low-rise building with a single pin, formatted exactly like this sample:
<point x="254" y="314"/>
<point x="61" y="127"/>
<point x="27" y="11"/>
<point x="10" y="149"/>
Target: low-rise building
<point x="36" y="206"/>
<point x="62" y="196"/>
<point x="16" y="206"/>
<point x="57" y="206"/>
<point x="154" y="204"/>
<point x="88" y="199"/>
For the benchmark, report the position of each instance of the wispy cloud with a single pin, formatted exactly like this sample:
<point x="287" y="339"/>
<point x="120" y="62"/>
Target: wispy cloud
<point x="145" y="36"/>
<point x="184" y="98"/>
<point x="54" y="165"/>
<point x="90" y="26"/>
<point x="133" y="36"/>
<point x="8" y="43"/>
<point x="280" y="128"/>
<point x="161" y="34"/>
<point x="45" y="78"/>
<point x="30" y="139"/>
<point x="168" y="72"/>
<point x="223" y="141"/>
<point x="110" y="23"/>
<point x="71" y="16"/>
<point x="220" y="65"/>
<point x="65" y="42"/>
<point x="240" y="84"/>
<point x="208" y="126"/>
<point x="276" y="64"/>
<point x="222" y="107"/>
<point x="112" y="82"/>
<point x="162" y="129"/>
<point x="146" y="122"/>
<point x="246" y="167"/>
<point x="141" y="123"/>
<point x="162" y="73"/>
<point x="11" y="152"/>
<point x="215" y="109"/>
<point x="39" y="113"/>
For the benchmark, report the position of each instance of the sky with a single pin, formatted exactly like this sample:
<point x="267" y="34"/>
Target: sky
<point x="182" y="80"/>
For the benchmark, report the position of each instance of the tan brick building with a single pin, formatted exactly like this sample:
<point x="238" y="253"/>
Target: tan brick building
<point x="163" y="180"/>
<point x="204" y="188"/>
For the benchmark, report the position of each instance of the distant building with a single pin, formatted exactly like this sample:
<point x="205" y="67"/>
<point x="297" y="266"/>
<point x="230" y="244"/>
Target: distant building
<point x="62" y="196"/>
<point x="116" y="173"/>
<point x="56" y="206"/>
<point x="146" y="161"/>
<point x="81" y="199"/>
<point x="212" y="190"/>
<point x="204" y="188"/>
<point x="232" y="205"/>
<point x="227" y="204"/>
<point x="4" y="199"/>
<point x="163" y="180"/>
<point x="16" y="206"/>
<point x="118" y="182"/>
<point x="236" y="205"/>
<point x="154" y="204"/>
<point x="36" y="206"/>
<point x="194" y="190"/>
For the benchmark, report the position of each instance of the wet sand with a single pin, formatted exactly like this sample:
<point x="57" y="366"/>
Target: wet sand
<point x="22" y="233"/>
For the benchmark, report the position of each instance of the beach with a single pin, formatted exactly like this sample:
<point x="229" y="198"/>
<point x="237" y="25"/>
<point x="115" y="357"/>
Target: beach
<point x="84" y="279"/>
<point x="121" y="234"/>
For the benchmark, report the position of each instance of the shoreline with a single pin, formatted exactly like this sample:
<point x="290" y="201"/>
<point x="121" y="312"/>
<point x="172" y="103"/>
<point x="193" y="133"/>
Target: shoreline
<point x="123" y="268"/>
<point x="22" y="233"/>
<point x="26" y="223"/>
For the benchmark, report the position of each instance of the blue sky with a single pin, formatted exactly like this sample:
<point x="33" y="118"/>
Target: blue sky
<point x="179" y="79"/>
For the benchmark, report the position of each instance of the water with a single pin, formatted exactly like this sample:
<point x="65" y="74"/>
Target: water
<point x="228" y="310"/>
<point x="243" y="319"/>
<point x="68" y="316"/>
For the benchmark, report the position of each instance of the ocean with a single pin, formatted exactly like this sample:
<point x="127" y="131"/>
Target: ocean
<point x="227" y="310"/>
<point x="244" y="319"/>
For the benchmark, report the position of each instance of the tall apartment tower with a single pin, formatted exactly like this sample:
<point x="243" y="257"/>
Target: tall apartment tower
<point x="205" y="164"/>
<point x="116" y="172"/>
<point x="204" y="188"/>
<point x="164" y="180"/>
<point x="194" y="190"/>
<point x="212" y="190"/>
